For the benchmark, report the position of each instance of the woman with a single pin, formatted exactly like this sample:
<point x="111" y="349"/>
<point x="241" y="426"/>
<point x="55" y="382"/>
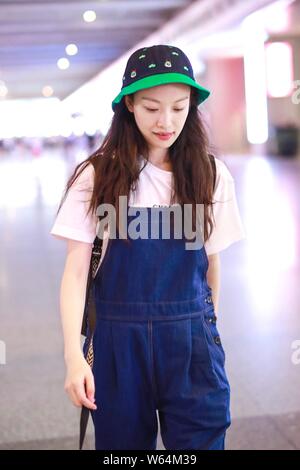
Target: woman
<point x="156" y="345"/>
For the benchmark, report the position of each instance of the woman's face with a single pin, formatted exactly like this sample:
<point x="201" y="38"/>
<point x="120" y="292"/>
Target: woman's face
<point x="161" y="109"/>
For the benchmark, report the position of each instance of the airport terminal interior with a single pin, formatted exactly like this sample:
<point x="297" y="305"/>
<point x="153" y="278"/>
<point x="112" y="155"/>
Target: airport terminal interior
<point x="55" y="110"/>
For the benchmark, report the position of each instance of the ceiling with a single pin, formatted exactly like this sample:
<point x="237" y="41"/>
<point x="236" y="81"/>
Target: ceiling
<point x="280" y="20"/>
<point x="34" y="34"/>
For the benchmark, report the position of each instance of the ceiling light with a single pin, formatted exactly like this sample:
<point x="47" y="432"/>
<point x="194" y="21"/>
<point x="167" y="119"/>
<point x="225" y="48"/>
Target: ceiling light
<point x="89" y="16"/>
<point x="63" y="63"/>
<point x="71" y="49"/>
<point x="47" y="91"/>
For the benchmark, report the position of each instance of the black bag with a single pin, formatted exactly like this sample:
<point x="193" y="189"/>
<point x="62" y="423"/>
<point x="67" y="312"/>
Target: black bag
<point x="88" y="325"/>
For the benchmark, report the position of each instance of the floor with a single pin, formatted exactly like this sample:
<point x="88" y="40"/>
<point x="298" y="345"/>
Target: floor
<point x="259" y="317"/>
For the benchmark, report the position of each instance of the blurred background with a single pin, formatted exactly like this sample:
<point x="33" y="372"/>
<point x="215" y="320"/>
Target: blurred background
<point x="61" y="64"/>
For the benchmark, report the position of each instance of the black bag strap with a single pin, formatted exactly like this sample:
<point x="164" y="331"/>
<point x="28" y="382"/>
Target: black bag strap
<point x="89" y="318"/>
<point x="214" y="168"/>
<point x="88" y="326"/>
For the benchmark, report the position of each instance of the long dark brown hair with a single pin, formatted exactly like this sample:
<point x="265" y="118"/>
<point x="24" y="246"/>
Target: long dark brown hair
<point x="117" y="167"/>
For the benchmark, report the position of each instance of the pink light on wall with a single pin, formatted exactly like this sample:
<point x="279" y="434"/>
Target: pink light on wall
<point x="279" y="69"/>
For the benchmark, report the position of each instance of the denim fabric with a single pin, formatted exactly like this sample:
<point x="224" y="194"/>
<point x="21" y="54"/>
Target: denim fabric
<point x="157" y="347"/>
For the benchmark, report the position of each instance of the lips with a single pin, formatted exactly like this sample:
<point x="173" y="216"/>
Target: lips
<point x="164" y="134"/>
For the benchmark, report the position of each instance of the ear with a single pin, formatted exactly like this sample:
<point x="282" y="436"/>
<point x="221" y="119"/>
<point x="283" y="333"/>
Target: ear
<point x="128" y="103"/>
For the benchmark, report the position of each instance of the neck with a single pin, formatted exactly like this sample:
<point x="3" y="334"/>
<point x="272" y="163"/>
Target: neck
<point x="159" y="158"/>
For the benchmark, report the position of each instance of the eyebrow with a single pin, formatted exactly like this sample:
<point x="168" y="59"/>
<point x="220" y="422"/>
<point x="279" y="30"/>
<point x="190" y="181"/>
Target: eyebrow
<point x="157" y="101"/>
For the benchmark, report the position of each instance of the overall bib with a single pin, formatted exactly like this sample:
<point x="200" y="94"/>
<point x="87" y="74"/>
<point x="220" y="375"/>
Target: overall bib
<point x="156" y="347"/>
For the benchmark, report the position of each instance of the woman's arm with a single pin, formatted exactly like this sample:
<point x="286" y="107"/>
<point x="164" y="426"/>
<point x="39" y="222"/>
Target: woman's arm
<point x="79" y="381"/>
<point x="213" y="279"/>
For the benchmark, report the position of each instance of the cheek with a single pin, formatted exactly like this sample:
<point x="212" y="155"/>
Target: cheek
<point x="183" y="119"/>
<point x="145" y="125"/>
<point x="143" y="120"/>
<point x="148" y="123"/>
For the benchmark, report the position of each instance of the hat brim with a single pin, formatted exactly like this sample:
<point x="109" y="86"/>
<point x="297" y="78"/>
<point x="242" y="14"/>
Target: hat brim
<point x="161" y="79"/>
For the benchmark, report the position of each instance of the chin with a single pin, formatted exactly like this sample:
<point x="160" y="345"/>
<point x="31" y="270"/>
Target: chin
<point x="164" y="143"/>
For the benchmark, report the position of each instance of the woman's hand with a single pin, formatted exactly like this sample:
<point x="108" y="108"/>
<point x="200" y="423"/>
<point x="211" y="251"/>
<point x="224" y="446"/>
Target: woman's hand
<point x="79" y="383"/>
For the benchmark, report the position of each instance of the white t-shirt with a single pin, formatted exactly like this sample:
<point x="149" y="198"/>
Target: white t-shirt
<point x="153" y="189"/>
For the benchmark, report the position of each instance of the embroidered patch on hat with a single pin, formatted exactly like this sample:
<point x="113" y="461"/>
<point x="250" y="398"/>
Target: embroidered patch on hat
<point x="168" y="63"/>
<point x="142" y="56"/>
<point x="175" y="53"/>
<point x="133" y="74"/>
<point x="151" y="66"/>
<point x="186" y="68"/>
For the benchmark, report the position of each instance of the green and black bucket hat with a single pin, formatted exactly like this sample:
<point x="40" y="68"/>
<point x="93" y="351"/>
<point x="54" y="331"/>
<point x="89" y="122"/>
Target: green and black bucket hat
<point x="158" y="65"/>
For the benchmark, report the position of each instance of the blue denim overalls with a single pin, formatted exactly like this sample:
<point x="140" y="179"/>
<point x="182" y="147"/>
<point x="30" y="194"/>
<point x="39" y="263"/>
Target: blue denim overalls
<point x="156" y="347"/>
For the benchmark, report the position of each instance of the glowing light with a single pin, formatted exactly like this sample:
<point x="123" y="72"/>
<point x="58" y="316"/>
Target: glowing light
<point x="71" y="49"/>
<point x="89" y="16"/>
<point x="63" y="63"/>
<point x="279" y="66"/>
<point x="3" y="89"/>
<point x="47" y="91"/>
<point x="255" y="80"/>
<point x="47" y="117"/>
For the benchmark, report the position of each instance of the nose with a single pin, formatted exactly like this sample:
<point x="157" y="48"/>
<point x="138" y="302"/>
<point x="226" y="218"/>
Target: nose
<point x="164" y="120"/>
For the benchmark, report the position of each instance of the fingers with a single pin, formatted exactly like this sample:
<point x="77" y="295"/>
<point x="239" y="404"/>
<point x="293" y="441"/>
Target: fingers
<point x="82" y="392"/>
<point x="90" y="387"/>
<point x="82" y="397"/>
<point x="73" y="397"/>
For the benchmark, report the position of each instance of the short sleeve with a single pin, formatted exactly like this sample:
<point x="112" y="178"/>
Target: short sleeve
<point x="72" y="221"/>
<point x="228" y="227"/>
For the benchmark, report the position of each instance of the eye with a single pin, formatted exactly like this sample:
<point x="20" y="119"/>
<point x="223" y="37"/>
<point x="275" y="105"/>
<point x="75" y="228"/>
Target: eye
<point x="152" y="110"/>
